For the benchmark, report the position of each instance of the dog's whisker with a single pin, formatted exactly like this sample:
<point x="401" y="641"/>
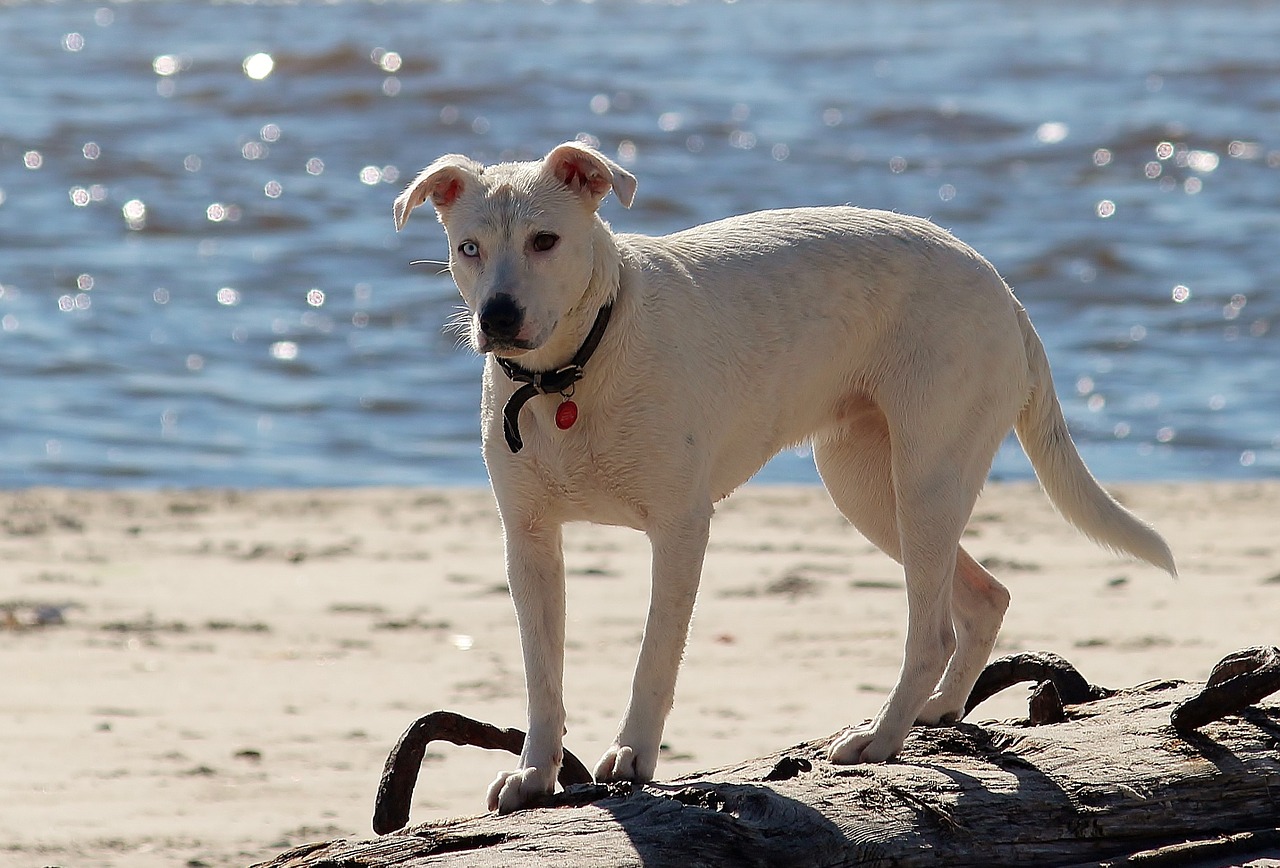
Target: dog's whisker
<point x="458" y="324"/>
<point x="443" y="262"/>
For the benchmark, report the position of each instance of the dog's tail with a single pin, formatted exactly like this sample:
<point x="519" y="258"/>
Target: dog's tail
<point x="1042" y="430"/>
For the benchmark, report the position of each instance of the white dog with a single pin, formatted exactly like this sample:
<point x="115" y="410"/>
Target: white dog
<point x="692" y="359"/>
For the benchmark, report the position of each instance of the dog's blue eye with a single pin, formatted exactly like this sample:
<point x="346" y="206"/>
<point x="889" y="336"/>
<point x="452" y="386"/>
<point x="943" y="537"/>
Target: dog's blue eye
<point x="544" y="241"/>
<point x="469" y="249"/>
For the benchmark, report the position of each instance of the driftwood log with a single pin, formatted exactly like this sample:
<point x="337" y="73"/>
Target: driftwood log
<point x="1166" y="773"/>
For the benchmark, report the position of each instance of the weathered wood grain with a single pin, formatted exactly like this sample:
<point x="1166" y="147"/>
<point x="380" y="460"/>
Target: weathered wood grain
<point x="1113" y="783"/>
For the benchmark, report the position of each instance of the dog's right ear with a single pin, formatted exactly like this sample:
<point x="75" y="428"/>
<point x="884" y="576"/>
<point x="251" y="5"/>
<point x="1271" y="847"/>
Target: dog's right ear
<point x="442" y="182"/>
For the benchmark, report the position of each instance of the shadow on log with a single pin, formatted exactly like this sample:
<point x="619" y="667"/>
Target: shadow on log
<point x="1166" y="773"/>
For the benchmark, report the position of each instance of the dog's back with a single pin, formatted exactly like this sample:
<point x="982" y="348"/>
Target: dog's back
<point x="774" y="324"/>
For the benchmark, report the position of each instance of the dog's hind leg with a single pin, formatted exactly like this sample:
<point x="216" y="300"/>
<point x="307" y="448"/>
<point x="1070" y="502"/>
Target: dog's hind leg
<point x="978" y="604"/>
<point x="854" y="462"/>
<point x="857" y="465"/>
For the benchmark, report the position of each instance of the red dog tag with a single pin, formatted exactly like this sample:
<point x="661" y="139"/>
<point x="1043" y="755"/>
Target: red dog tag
<point x="566" y="415"/>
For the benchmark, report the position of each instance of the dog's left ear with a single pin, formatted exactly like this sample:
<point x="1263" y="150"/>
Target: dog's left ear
<point x="590" y="174"/>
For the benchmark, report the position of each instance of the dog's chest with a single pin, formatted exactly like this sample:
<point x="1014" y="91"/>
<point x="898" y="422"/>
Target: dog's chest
<point x="590" y="488"/>
<point x="579" y="474"/>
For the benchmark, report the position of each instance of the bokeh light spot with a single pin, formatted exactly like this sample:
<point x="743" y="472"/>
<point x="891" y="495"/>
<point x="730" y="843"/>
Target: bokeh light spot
<point x="1051" y="132"/>
<point x="135" y="214"/>
<point x="259" y="66"/>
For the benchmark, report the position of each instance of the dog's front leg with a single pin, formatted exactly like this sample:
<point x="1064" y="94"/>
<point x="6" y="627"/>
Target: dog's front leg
<point x="678" y="551"/>
<point x="535" y="573"/>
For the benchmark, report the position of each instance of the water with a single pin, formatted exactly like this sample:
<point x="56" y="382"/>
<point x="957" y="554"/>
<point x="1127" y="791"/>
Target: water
<point x="202" y="284"/>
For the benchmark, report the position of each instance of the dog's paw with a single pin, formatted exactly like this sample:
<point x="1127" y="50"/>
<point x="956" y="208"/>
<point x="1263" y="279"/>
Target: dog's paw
<point x="940" y="710"/>
<point x="511" y="791"/>
<point x="623" y="763"/>
<point x="864" y="745"/>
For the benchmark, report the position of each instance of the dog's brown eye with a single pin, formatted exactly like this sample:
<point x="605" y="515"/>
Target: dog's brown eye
<point x="544" y="241"/>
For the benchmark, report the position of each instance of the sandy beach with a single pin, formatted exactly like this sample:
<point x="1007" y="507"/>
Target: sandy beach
<point x="204" y="678"/>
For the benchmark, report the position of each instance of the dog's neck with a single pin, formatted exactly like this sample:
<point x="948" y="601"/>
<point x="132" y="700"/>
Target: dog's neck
<point x="561" y="381"/>
<point x="562" y="377"/>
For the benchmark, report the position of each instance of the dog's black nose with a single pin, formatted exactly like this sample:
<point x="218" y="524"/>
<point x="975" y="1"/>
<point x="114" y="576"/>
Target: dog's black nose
<point x="501" y="318"/>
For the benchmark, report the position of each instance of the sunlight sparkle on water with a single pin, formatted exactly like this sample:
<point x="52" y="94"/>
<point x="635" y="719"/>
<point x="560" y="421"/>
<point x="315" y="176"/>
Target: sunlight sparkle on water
<point x="390" y="61"/>
<point x="135" y="214"/>
<point x="259" y="66"/>
<point x="1244" y="150"/>
<point x="1051" y="132"/>
<point x="166" y="64"/>
<point x="1232" y="309"/>
<point x="219" y="213"/>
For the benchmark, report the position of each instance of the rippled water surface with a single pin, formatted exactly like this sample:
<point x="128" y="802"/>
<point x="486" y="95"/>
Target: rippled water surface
<point x="200" y="283"/>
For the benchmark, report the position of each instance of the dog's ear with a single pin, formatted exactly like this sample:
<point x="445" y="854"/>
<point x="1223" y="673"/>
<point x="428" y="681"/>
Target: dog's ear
<point x="590" y="174"/>
<point x="442" y="182"/>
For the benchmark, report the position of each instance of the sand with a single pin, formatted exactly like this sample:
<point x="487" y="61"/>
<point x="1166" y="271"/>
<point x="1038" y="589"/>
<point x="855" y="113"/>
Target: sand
<point x="206" y="678"/>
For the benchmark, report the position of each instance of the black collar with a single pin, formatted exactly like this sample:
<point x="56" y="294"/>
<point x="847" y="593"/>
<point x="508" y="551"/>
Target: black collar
<point x="547" y="382"/>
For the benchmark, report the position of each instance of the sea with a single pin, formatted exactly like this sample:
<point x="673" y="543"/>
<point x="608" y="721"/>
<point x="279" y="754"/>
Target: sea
<point x="201" y="284"/>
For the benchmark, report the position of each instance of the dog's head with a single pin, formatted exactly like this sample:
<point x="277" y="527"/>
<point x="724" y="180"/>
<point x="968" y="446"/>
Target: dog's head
<point x="521" y="237"/>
